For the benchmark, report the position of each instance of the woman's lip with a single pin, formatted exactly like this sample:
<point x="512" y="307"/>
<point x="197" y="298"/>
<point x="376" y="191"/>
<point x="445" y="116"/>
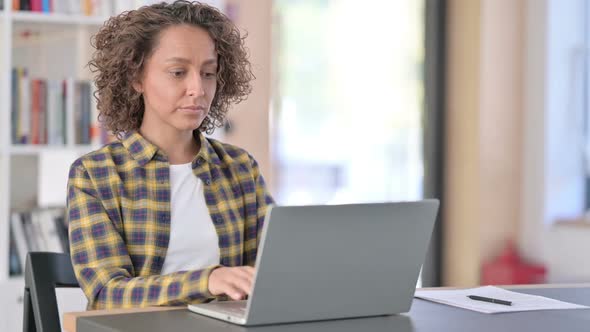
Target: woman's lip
<point x="192" y="109"/>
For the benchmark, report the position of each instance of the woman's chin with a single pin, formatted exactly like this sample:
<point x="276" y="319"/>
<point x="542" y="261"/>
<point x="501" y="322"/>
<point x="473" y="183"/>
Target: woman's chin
<point x="189" y="126"/>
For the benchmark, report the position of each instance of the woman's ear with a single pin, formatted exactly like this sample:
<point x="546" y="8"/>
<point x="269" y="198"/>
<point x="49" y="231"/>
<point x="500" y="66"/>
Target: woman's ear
<point x="137" y="87"/>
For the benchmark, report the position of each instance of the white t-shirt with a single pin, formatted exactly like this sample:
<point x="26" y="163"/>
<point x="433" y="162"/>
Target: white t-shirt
<point x="194" y="243"/>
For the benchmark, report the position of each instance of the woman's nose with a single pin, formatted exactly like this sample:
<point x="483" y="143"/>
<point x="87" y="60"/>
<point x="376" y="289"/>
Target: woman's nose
<point x="195" y="86"/>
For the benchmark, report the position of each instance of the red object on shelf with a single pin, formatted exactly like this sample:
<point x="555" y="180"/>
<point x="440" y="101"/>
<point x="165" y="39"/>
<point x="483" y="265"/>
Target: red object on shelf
<point x="510" y="269"/>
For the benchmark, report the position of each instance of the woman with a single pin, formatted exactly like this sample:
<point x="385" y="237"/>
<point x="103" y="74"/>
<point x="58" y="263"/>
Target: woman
<point x="164" y="215"/>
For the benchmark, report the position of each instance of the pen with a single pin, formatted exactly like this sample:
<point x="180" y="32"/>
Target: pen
<point x="489" y="299"/>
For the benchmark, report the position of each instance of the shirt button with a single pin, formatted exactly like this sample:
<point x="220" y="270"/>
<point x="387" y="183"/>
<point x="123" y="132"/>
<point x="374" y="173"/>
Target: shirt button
<point x="207" y="182"/>
<point x="200" y="160"/>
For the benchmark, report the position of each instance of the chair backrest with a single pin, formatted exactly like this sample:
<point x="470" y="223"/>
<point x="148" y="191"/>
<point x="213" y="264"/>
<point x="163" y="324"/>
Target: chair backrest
<point x="44" y="271"/>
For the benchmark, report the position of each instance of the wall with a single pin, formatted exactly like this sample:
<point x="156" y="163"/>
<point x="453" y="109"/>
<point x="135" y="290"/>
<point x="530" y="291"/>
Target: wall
<point x="250" y="119"/>
<point x="484" y="133"/>
<point x="501" y="121"/>
<point x="514" y="145"/>
<point x="460" y="240"/>
<point x="553" y="168"/>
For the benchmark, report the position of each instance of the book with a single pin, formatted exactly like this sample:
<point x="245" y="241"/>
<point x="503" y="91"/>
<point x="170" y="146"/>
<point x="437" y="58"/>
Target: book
<point x="35" y="116"/>
<point x="17" y="229"/>
<point x="14" y="263"/>
<point x="35" y="5"/>
<point x="41" y="229"/>
<point x="24" y="104"/>
<point x="41" y="111"/>
<point x="69" y="7"/>
<point x="38" y="237"/>
<point x="14" y="108"/>
<point x="46" y="6"/>
<point x="96" y="137"/>
<point x="61" y="226"/>
<point x="85" y="112"/>
<point x="49" y="230"/>
<point x="25" y="5"/>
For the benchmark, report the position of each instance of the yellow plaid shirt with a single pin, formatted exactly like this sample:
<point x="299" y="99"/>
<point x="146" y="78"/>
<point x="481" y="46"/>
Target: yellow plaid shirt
<point x="119" y="220"/>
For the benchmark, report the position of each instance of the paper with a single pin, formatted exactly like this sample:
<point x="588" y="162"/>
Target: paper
<point x="520" y="301"/>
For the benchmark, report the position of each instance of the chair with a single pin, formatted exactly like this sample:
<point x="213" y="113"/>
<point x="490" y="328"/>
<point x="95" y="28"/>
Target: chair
<point x="44" y="271"/>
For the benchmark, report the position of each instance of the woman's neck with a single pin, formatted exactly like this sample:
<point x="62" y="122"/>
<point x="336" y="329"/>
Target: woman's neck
<point x="180" y="146"/>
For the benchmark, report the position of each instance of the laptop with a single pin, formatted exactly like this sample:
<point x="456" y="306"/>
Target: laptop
<point x="333" y="261"/>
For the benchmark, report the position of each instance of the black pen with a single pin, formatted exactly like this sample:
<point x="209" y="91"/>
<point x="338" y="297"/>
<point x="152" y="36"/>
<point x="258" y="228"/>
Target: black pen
<point x="488" y="299"/>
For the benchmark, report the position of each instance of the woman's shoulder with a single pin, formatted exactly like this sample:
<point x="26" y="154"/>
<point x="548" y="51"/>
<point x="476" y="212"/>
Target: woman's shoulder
<point x="104" y="156"/>
<point x="230" y="154"/>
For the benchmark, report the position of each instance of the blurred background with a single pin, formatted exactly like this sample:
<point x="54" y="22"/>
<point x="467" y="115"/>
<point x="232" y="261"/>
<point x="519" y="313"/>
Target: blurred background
<point x="483" y="104"/>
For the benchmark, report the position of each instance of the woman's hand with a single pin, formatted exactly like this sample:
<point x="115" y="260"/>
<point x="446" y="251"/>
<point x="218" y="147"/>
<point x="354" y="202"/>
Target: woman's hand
<point x="236" y="282"/>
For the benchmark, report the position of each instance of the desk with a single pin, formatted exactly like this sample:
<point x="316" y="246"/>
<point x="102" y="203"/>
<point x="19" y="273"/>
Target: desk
<point x="423" y="317"/>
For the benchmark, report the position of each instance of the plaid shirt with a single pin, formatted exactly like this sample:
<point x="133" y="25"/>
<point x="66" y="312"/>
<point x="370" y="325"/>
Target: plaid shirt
<point x="119" y="220"/>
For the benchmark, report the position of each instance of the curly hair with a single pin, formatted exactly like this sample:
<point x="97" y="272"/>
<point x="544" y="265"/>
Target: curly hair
<point x="125" y="42"/>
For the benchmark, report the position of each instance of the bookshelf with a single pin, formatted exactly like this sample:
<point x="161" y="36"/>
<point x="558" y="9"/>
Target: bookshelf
<point x="50" y="46"/>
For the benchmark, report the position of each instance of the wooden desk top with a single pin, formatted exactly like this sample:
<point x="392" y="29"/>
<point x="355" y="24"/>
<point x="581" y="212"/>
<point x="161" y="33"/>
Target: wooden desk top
<point x="69" y="319"/>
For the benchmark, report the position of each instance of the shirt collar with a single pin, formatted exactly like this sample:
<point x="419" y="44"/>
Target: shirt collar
<point x="207" y="152"/>
<point x="143" y="151"/>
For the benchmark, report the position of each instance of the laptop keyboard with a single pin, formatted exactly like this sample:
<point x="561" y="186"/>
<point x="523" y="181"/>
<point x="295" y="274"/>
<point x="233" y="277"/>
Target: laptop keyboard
<point x="234" y="308"/>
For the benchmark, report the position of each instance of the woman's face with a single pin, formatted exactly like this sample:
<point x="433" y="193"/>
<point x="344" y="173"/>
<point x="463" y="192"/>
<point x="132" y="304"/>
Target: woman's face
<point x="179" y="79"/>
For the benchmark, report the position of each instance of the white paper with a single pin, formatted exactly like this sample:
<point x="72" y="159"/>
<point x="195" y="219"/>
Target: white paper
<point x="520" y="301"/>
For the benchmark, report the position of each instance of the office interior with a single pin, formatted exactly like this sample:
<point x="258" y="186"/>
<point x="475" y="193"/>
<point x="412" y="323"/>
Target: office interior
<point x="483" y="104"/>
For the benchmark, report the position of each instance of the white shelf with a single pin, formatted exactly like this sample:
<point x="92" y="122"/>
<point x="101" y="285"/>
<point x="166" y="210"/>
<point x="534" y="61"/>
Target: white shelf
<point x="56" y="18"/>
<point x="27" y="150"/>
<point x="17" y="279"/>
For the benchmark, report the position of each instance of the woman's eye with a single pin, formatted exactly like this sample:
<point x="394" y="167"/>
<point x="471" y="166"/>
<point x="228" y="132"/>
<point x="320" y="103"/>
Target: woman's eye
<point x="209" y="75"/>
<point x="177" y="73"/>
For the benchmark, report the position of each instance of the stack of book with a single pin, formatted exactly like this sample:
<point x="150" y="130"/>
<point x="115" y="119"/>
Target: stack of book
<point x="70" y="7"/>
<point x="99" y="8"/>
<point x="39" y="111"/>
<point x="36" y="230"/>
